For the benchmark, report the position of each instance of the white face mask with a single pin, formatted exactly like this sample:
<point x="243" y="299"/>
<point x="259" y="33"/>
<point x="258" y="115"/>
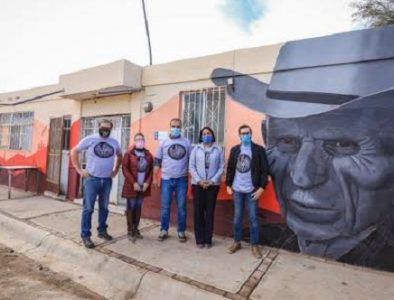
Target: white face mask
<point x="139" y="144"/>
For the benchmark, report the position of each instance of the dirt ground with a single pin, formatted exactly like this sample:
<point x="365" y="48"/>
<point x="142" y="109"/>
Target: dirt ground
<point x="23" y="279"/>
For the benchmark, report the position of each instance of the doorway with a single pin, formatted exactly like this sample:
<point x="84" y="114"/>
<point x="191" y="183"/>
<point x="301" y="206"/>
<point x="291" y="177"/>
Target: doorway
<point x="58" y="152"/>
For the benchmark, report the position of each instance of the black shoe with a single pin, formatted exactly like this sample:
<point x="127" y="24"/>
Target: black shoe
<point x="138" y="234"/>
<point x="105" y="236"/>
<point x="88" y="243"/>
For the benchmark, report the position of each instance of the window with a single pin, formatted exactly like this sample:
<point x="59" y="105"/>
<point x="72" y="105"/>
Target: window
<point x="204" y="108"/>
<point x="16" y="130"/>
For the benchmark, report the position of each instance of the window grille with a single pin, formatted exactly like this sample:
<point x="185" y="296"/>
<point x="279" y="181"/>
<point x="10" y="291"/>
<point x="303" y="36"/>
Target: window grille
<point x="202" y="108"/>
<point x="16" y="130"/>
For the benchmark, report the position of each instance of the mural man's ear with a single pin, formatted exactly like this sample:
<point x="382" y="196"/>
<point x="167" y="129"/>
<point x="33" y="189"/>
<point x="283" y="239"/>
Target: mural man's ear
<point x="244" y="89"/>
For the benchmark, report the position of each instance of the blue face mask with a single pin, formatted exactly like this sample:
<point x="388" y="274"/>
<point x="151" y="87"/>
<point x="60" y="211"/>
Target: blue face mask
<point x="207" y="139"/>
<point x="175" y="132"/>
<point x="246" y="139"/>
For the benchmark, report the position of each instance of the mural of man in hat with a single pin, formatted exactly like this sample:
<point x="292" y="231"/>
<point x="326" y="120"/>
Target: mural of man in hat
<point x="330" y="142"/>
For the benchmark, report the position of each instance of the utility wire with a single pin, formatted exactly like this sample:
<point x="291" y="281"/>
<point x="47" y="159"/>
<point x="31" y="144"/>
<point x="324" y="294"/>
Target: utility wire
<point x="147" y="32"/>
<point x="32" y="99"/>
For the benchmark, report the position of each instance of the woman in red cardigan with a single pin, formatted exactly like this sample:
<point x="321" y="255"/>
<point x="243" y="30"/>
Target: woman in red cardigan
<point x="137" y="167"/>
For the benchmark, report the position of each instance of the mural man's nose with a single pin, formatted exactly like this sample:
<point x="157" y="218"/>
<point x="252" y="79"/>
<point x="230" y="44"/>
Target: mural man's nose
<point x="309" y="168"/>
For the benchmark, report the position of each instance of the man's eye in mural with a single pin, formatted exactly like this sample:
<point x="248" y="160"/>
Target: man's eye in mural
<point x="289" y="145"/>
<point x="341" y="147"/>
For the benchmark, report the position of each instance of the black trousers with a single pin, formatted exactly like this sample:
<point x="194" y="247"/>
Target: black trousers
<point x="204" y="202"/>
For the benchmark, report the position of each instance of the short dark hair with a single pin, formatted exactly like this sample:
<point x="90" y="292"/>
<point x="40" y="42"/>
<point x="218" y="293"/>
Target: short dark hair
<point x="176" y="119"/>
<point x="106" y="121"/>
<point x="139" y="134"/>
<point x="243" y="127"/>
<point x="212" y="133"/>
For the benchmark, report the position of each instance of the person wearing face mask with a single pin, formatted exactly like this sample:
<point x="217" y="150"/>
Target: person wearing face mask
<point x="247" y="176"/>
<point x="137" y="167"/>
<point x="104" y="157"/>
<point x="206" y="166"/>
<point x="172" y="157"/>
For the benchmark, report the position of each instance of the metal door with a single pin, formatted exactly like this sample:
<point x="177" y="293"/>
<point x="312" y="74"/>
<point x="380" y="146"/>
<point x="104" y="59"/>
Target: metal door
<point x="55" y="147"/>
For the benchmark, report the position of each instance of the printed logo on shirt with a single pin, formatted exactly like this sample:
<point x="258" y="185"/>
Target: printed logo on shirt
<point x="177" y="151"/>
<point x="244" y="163"/>
<point x="104" y="150"/>
<point x="142" y="164"/>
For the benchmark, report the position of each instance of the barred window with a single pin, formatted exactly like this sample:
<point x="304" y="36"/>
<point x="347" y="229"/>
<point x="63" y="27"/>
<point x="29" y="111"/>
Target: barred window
<point x="202" y="108"/>
<point x="16" y="130"/>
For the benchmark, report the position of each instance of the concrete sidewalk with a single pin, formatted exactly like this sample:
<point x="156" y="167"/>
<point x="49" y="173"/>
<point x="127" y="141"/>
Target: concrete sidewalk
<point x="47" y="231"/>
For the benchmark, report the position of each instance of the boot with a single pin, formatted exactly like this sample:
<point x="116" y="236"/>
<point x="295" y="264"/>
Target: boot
<point x="256" y="251"/>
<point x="130" y="221"/>
<point x="137" y="223"/>
<point x="234" y="247"/>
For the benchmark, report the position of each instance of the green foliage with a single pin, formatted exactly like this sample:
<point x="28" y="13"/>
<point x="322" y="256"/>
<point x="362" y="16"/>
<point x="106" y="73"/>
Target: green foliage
<point x="373" y="13"/>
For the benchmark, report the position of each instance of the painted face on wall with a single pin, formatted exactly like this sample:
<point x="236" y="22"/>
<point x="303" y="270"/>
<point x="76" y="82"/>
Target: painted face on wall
<point x="333" y="175"/>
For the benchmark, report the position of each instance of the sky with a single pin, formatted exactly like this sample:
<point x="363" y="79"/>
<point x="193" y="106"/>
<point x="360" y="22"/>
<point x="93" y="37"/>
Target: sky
<point x="42" y="39"/>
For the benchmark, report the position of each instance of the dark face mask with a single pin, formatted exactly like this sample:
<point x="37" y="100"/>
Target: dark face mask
<point x="104" y="132"/>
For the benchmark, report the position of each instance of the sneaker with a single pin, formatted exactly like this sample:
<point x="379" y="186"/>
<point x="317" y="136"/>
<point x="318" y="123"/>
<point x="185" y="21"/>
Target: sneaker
<point x="88" y="243"/>
<point x="234" y="247"/>
<point x="162" y="235"/>
<point x="256" y="251"/>
<point x="105" y="236"/>
<point x="182" y="236"/>
<point x="200" y="246"/>
<point x="208" y="246"/>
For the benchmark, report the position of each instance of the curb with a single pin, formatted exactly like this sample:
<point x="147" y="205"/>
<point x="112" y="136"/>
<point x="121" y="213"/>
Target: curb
<point x="101" y="273"/>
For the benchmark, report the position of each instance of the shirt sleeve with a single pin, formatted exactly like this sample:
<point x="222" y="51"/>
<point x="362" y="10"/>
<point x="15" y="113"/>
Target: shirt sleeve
<point x="193" y="165"/>
<point x="220" y="171"/>
<point x="83" y="144"/>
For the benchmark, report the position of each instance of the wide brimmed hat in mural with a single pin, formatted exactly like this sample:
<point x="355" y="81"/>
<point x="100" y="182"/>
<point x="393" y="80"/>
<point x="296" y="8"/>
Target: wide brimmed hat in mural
<point x="341" y="71"/>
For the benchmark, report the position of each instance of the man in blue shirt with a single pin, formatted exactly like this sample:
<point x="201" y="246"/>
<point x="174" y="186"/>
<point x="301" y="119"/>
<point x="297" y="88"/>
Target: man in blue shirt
<point x="101" y="151"/>
<point x="247" y="176"/>
<point x="172" y="158"/>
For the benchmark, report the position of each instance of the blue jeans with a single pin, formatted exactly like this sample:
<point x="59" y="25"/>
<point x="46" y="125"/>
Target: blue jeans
<point x="93" y="187"/>
<point x="240" y="200"/>
<point x="135" y="203"/>
<point x="167" y="189"/>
